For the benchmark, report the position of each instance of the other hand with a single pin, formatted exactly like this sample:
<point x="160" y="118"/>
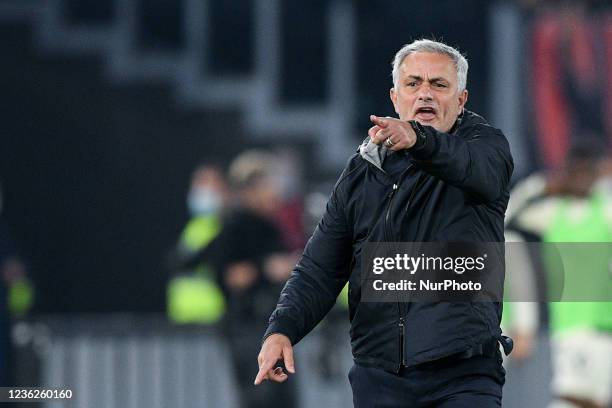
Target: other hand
<point x="276" y="347"/>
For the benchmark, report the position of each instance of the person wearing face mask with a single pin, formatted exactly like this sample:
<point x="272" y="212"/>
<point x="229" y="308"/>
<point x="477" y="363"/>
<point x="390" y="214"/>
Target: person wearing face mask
<point x="193" y="295"/>
<point x="251" y="263"/>
<point x="436" y="173"/>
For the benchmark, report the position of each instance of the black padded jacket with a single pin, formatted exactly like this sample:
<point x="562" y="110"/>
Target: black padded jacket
<point x="447" y="187"/>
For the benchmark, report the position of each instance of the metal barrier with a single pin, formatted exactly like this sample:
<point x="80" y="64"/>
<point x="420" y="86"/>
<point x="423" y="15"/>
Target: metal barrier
<point x="136" y="361"/>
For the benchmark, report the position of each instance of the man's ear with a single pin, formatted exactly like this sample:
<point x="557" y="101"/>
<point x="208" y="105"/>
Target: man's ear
<point x="463" y="97"/>
<point x="393" y="97"/>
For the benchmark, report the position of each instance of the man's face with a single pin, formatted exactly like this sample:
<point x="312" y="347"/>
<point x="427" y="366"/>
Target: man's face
<point x="427" y="91"/>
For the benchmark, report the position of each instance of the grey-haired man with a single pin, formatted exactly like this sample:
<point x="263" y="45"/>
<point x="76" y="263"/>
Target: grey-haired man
<point x="436" y="173"/>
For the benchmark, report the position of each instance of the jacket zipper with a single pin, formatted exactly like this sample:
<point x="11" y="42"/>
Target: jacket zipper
<point x="388" y="237"/>
<point x="401" y="345"/>
<point x="402" y="362"/>
<point x="391" y="194"/>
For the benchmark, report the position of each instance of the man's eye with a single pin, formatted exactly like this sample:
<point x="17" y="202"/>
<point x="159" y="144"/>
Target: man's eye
<point x="439" y="85"/>
<point x="411" y="84"/>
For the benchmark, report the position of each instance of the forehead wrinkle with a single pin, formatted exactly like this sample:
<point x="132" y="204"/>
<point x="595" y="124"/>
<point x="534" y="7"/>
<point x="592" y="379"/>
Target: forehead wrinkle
<point x="439" y="67"/>
<point x="434" y="79"/>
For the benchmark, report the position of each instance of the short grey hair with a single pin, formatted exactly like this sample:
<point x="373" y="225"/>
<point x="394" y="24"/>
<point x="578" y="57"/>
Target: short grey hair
<point x="424" y="45"/>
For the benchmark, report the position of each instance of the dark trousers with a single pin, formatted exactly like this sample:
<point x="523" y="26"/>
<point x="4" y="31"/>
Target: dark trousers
<point x="452" y="382"/>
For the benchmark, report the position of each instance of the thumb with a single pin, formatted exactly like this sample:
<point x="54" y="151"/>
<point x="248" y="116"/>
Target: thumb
<point x="382" y="122"/>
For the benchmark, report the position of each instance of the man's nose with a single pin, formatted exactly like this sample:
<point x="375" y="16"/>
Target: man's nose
<point x="425" y="93"/>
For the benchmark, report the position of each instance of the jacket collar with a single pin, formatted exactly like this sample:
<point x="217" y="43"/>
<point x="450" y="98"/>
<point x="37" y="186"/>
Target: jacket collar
<point x="373" y="153"/>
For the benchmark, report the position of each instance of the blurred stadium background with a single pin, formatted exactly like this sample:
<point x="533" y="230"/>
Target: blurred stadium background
<point x="108" y="106"/>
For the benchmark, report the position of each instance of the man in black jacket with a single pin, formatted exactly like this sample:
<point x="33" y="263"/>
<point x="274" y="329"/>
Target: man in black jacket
<point x="439" y="173"/>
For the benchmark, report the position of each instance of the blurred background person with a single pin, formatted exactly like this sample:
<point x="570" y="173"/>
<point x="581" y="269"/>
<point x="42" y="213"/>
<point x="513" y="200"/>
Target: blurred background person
<point x="16" y="296"/>
<point x="528" y="366"/>
<point x="252" y="264"/>
<point x="193" y="294"/>
<point x="577" y="208"/>
<point x="520" y="319"/>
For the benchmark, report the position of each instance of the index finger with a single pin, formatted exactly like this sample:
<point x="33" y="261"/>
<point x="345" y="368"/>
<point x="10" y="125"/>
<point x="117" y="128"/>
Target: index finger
<point x="262" y="374"/>
<point x="382" y="122"/>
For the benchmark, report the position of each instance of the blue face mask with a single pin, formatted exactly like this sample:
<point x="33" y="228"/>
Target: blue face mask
<point x="203" y="201"/>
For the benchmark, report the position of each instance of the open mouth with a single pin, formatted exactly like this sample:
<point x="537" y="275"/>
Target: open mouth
<point x="425" y="113"/>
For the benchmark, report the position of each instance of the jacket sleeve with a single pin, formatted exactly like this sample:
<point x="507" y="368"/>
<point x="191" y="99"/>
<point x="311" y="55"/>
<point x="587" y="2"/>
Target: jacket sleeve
<point x="478" y="160"/>
<point x="319" y="276"/>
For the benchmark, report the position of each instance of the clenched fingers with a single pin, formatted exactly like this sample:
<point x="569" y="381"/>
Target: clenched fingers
<point x="267" y="371"/>
<point x="275" y="349"/>
<point x="373" y="131"/>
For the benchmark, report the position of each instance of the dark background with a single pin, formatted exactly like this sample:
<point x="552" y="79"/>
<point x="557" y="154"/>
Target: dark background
<point x="94" y="173"/>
